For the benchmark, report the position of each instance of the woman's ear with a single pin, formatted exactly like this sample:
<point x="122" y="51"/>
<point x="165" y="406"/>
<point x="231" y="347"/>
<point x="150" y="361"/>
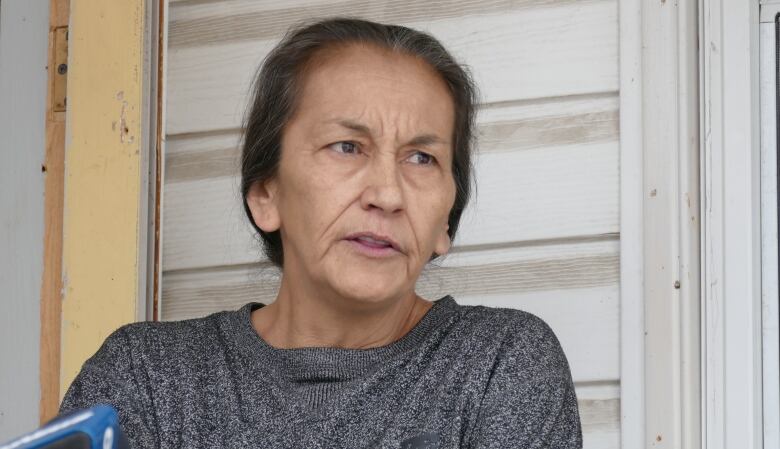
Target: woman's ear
<point x="443" y="242"/>
<point x="262" y="201"/>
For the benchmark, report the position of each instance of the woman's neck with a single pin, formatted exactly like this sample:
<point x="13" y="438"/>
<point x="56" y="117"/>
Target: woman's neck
<point x="297" y="319"/>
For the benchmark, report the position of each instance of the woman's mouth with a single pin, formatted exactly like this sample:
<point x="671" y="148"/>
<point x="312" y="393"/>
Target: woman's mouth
<point x="373" y="245"/>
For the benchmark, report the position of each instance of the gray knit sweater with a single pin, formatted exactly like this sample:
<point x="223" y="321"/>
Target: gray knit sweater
<point x="463" y="377"/>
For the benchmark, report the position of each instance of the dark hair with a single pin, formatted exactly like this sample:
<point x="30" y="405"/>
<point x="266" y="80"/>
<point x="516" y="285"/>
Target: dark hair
<point x="277" y="86"/>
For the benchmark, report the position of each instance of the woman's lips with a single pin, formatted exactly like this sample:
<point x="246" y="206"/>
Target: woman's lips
<point x="371" y="249"/>
<point x="372" y="245"/>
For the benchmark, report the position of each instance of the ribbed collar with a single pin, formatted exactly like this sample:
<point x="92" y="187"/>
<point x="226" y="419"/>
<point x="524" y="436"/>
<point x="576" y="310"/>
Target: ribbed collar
<point x="313" y="384"/>
<point x="335" y="364"/>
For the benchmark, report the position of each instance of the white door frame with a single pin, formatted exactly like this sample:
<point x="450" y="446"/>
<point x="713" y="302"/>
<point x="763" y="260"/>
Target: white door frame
<point x="731" y="237"/>
<point x="660" y="224"/>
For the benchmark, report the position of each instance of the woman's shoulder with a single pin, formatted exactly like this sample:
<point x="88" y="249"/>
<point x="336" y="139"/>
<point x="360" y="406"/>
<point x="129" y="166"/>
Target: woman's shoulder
<point x="513" y="322"/>
<point x="151" y="337"/>
<point x="517" y="335"/>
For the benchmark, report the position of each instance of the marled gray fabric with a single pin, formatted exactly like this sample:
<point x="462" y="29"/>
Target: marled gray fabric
<point x="463" y="377"/>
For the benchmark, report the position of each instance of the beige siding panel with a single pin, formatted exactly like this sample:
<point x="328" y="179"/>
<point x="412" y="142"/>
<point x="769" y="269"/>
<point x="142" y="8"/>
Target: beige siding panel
<point x="547" y="122"/>
<point x="252" y="20"/>
<point x="199" y="156"/>
<point x="183" y="144"/>
<point x="561" y="283"/>
<point x="555" y="49"/>
<point x="599" y="407"/>
<point x="541" y="193"/>
<point x="204" y="225"/>
<point x="188" y="10"/>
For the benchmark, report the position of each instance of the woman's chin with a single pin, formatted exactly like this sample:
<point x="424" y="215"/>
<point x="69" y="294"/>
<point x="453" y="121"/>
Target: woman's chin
<point x="370" y="288"/>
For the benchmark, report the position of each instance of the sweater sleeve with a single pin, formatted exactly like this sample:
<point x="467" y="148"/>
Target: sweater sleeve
<point x="529" y="400"/>
<point x="112" y="376"/>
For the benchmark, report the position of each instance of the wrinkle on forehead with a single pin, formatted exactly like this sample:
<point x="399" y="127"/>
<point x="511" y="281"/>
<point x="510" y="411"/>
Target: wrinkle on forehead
<point x="398" y="96"/>
<point x="396" y="123"/>
<point x="361" y="128"/>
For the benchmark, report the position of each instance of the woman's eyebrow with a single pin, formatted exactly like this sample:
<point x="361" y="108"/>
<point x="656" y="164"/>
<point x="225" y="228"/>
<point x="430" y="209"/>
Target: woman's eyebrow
<point x="354" y="126"/>
<point x="421" y="140"/>
<point x="425" y="140"/>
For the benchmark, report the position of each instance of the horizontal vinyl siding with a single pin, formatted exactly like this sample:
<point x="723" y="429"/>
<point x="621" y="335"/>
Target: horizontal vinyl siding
<point x="542" y="232"/>
<point x="541" y="49"/>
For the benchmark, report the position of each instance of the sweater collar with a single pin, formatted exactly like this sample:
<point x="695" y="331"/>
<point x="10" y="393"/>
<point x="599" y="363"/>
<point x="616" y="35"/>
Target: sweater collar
<point x="337" y="364"/>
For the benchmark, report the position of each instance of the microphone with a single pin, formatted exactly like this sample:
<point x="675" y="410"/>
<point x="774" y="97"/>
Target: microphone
<point x="93" y="428"/>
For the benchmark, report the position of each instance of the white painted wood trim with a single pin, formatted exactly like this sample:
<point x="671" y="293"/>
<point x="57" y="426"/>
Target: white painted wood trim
<point x="769" y="237"/>
<point x="660" y="345"/>
<point x="632" y="354"/>
<point x="689" y="222"/>
<point x="670" y="223"/>
<point x="768" y="12"/>
<point x="731" y="238"/>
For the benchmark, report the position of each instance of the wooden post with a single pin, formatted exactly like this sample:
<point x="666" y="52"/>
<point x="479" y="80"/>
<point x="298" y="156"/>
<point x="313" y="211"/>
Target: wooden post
<point x="54" y="166"/>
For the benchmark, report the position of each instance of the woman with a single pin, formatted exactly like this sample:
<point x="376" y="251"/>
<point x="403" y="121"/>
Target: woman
<point x="355" y="172"/>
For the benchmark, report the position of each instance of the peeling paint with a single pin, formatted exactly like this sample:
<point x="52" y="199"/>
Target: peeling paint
<point x="123" y="129"/>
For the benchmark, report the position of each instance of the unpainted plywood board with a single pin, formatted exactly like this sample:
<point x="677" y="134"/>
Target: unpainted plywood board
<point x="51" y="288"/>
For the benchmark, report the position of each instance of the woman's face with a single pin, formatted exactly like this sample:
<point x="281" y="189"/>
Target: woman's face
<point x="364" y="186"/>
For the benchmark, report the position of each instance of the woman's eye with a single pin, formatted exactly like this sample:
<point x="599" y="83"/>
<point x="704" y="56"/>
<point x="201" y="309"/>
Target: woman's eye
<point x="421" y="158"/>
<point x="345" y="147"/>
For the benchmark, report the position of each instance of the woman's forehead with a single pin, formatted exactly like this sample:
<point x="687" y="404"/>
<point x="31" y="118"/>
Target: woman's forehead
<point x="369" y="83"/>
<point x="370" y="56"/>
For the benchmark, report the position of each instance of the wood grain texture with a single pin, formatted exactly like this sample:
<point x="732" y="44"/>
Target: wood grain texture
<point x="515" y="54"/>
<point x="51" y="287"/>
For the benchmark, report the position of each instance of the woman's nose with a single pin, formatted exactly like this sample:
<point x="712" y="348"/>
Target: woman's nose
<point x="383" y="185"/>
